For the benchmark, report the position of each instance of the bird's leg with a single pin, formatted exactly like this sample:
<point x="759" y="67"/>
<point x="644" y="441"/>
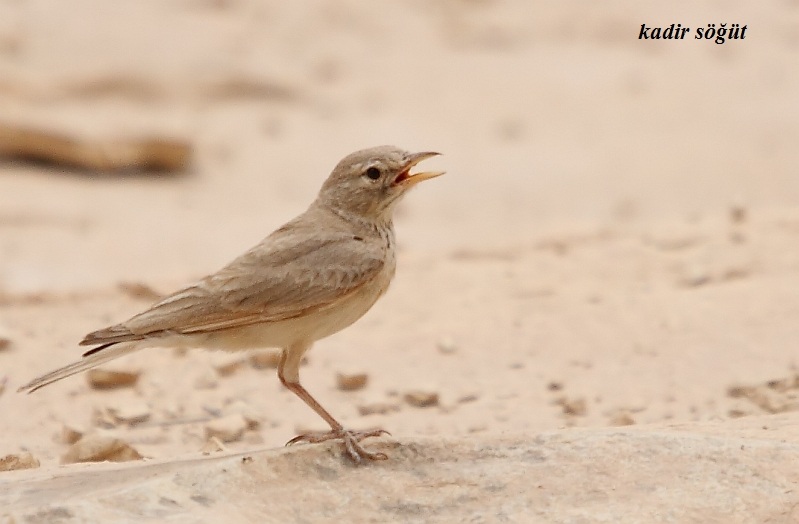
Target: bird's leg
<point x="351" y="439"/>
<point x="288" y="372"/>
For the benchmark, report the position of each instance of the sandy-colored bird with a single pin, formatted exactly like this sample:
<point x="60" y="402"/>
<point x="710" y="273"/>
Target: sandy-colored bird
<point x="311" y="278"/>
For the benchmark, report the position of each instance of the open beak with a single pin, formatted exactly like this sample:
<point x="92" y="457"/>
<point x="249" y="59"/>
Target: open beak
<point x="407" y="178"/>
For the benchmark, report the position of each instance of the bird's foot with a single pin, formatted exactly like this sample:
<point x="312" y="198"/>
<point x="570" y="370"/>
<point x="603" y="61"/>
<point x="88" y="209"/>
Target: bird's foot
<point x="351" y="440"/>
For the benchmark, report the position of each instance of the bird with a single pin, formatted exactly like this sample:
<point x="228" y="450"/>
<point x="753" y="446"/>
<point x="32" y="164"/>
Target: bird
<point x="312" y="277"/>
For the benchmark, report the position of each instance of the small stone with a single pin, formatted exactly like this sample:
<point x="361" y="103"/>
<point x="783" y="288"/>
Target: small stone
<point x="70" y="434"/>
<point x="5" y="339"/>
<point x="447" y="346"/>
<point x="171" y="409"/>
<point x="421" y="399"/>
<point x="378" y="408"/>
<point x="265" y="359"/>
<point x="555" y="386"/>
<point x="208" y="379"/>
<point x="576" y="407"/>
<point x="468" y="397"/>
<point x="227" y="367"/>
<point x="622" y="419"/>
<point x="227" y="429"/>
<point x="695" y="276"/>
<point x="22" y="460"/>
<point x="101" y="418"/>
<point x="738" y="413"/>
<point x="738" y="214"/>
<point x="98" y="447"/>
<point x="253" y="417"/>
<point x="132" y="412"/>
<point x="212" y="445"/>
<point x="351" y="381"/>
<point x="111" y="379"/>
<point x="737" y="391"/>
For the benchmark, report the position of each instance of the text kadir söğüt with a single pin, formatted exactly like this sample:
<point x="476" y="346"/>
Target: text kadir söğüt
<point x="719" y="34"/>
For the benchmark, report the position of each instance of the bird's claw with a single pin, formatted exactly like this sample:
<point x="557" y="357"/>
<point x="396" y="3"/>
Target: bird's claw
<point x="351" y="440"/>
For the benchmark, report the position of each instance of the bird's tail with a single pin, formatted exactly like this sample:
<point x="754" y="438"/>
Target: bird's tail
<point x="93" y="358"/>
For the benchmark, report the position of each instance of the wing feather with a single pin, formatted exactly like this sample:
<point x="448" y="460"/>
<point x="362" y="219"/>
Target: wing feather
<point x="290" y="273"/>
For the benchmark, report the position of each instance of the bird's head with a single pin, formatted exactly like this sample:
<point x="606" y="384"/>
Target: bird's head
<point x="368" y="183"/>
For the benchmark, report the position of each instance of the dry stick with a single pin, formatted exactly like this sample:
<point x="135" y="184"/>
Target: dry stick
<point x="150" y="154"/>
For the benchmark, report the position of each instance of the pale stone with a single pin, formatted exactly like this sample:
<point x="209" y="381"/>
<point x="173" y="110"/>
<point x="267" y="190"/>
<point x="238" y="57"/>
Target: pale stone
<point x="130" y="412"/>
<point x="447" y="345"/>
<point x="227" y="429"/>
<point x="421" y="399"/>
<point x="111" y="379"/>
<point x="16" y="461"/>
<point x="378" y="408"/>
<point x="99" y="447"/>
<point x="351" y="381"/>
<point x="70" y="433"/>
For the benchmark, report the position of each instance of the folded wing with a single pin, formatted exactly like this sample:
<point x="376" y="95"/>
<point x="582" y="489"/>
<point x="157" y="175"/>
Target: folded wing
<point x="291" y="273"/>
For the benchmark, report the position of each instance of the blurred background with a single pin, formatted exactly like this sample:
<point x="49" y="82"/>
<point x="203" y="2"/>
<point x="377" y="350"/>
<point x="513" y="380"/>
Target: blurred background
<point x="548" y="115"/>
<point x="616" y="240"/>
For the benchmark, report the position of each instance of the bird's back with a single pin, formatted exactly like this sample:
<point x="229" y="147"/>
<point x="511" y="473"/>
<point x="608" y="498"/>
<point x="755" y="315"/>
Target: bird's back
<point x="310" y="264"/>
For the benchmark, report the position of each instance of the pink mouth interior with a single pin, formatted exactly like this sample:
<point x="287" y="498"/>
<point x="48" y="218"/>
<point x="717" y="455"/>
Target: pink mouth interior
<point x="405" y="175"/>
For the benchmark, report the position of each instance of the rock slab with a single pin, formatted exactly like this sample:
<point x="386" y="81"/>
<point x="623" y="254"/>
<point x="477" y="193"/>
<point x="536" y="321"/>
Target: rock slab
<point x="608" y="475"/>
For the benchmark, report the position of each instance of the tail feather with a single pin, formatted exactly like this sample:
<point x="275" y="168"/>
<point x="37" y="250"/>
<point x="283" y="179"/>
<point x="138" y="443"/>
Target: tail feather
<point x="92" y="351"/>
<point x="118" y="333"/>
<point x="91" y="359"/>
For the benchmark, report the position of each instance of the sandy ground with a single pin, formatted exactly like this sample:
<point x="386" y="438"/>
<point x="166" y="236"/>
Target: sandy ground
<point x="616" y="243"/>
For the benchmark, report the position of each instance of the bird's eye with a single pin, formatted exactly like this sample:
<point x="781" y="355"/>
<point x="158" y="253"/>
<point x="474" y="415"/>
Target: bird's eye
<point x="373" y="173"/>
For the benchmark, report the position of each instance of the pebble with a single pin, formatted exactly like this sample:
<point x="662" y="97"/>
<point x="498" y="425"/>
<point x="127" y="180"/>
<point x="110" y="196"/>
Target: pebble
<point x="378" y="408"/>
<point x="738" y="214"/>
<point x="351" y="381"/>
<point x="253" y="416"/>
<point x="22" y="460"/>
<point x="5" y="338"/>
<point x="447" y="346"/>
<point x="695" y="276"/>
<point x="622" y="419"/>
<point x="131" y="412"/>
<point x="212" y="445"/>
<point x="70" y="434"/>
<point x="111" y="379"/>
<point x="468" y="397"/>
<point x="576" y="407"/>
<point x="265" y="359"/>
<point x="421" y="399"/>
<point x="227" y="429"/>
<point x="227" y="366"/>
<point x="207" y="379"/>
<point x="101" y="418"/>
<point x="99" y="447"/>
